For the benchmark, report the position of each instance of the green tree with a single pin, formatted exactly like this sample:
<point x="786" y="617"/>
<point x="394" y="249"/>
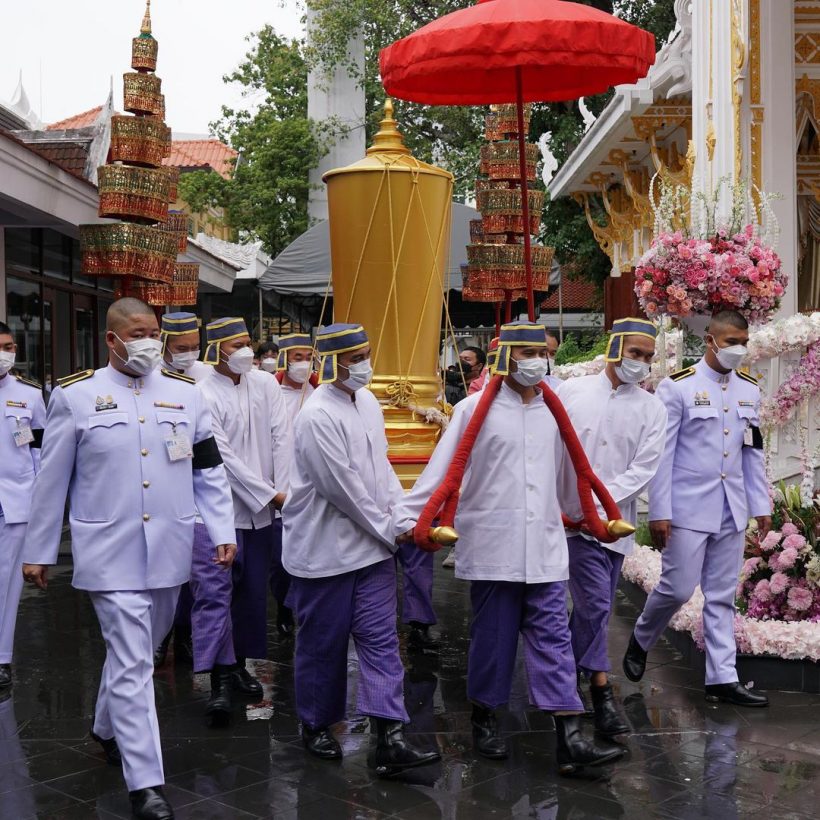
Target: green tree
<point x="267" y="196"/>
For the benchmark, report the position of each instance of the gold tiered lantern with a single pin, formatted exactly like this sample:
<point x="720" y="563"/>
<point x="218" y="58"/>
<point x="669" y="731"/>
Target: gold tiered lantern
<point x="389" y="256"/>
<point x="142" y="249"/>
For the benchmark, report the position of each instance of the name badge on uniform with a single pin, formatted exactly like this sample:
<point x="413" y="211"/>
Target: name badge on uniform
<point x="702" y="399"/>
<point x="178" y="445"/>
<point x="106" y="403"/>
<point x="745" y="404"/>
<point x="22" y="433"/>
<point x="748" y="437"/>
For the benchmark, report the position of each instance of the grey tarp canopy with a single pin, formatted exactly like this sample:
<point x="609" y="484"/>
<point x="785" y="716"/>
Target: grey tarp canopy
<point x="304" y="266"/>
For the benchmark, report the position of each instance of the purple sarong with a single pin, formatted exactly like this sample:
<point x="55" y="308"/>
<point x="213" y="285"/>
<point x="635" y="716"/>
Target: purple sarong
<point x="251" y="573"/>
<point x="593" y="578"/>
<point x="417" y="585"/>
<point x="211" y="588"/>
<point x="279" y="577"/>
<point x="502" y="610"/>
<point x="330" y="610"/>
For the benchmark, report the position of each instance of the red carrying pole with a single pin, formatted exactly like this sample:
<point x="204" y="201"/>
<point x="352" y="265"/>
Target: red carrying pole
<point x="525" y="201"/>
<point x="507" y="308"/>
<point x="498" y="318"/>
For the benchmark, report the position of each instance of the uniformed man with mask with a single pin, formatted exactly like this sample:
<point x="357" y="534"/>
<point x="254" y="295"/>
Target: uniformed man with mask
<point x="24" y="417"/>
<point x="132" y="447"/>
<point x="179" y="334"/>
<point x="252" y="432"/>
<point x="711" y="480"/>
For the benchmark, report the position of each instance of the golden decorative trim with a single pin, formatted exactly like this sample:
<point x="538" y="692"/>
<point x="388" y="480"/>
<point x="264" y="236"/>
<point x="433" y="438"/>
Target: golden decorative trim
<point x="755" y="96"/>
<point x="737" y="76"/>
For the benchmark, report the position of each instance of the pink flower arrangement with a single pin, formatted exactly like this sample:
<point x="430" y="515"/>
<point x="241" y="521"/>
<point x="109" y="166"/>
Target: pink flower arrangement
<point x="802" y="383"/>
<point x="682" y="275"/>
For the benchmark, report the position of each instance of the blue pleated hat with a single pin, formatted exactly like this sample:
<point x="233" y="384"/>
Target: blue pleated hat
<point x="222" y="330"/>
<point x="333" y="340"/>
<point x="517" y="334"/>
<point x="621" y="328"/>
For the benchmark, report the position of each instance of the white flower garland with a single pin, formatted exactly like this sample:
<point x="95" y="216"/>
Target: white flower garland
<point x="792" y="640"/>
<point x="783" y="336"/>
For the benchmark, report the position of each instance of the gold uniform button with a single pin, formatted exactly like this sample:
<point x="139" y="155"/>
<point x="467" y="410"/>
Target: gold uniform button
<point x="144" y="451"/>
<point x="136" y="392"/>
<point x="146" y="484"/>
<point x="726" y="454"/>
<point x="725" y="387"/>
<point x="723" y="475"/>
<point x="725" y="432"/>
<point x="725" y="409"/>
<point x="146" y="517"/>
<point x="141" y="419"/>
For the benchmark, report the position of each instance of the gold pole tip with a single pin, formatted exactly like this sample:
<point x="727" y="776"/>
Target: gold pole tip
<point x="446" y="536"/>
<point x="389" y="138"/>
<point x="145" y="28"/>
<point x="619" y="528"/>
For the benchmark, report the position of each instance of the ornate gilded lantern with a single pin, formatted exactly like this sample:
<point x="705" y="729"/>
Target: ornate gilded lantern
<point x="390" y="242"/>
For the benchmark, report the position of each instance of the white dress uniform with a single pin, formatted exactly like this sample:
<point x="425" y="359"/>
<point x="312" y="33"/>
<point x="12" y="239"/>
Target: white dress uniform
<point x="711" y="480"/>
<point x="136" y="457"/>
<point x="24" y="417"/>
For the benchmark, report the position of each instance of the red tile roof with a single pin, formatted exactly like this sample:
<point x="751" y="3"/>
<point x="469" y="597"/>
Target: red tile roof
<point x="77" y="121"/>
<point x="202" y="154"/>
<point x="70" y="156"/>
<point x="9" y="136"/>
<point x="577" y="295"/>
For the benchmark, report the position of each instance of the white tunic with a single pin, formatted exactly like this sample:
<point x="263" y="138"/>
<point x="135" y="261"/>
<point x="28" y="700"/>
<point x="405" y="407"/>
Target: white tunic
<point x="509" y="514"/>
<point x="252" y="431"/>
<point x="338" y="515"/>
<point x="295" y="398"/>
<point x="623" y="432"/>
<point x="199" y="371"/>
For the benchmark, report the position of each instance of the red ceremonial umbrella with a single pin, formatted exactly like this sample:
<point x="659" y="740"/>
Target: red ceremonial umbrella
<point x="502" y="51"/>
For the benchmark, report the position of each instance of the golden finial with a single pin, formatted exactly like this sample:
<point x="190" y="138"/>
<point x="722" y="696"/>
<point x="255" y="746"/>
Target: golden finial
<point x="145" y="28"/>
<point x="389" y="138"/>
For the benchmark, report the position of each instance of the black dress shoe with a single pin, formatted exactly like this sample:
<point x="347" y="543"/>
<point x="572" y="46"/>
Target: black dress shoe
<point x="608" y="720"/>
<point x="161" y="652"/>
<point x="574" y="752"/>
<point x="284" y="620"/>
<point x="243" y="681"/>
<point x="736" y="694"/>
<point x="218" y="709"/>
<point x="321" y="743"/>
<point x="634" y="660"/>
<point x="419" y="638"/>
<point x="150" y="804"/>
<point x="394" y="754"/>
<point x="110" y="749"/>
<point x="183" y="646"/>
<point x="486" y="739"/>
<point x="5" y="675"/>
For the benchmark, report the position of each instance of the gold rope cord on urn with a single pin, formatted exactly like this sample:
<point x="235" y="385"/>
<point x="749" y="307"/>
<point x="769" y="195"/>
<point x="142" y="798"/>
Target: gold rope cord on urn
<point x="389" y="217"/>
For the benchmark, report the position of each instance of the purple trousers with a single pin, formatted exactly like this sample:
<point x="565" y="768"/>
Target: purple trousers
<point x="593" y="578"/>
<point x="417" y="585"/>
<point x="502" y="610"/>
<point x="212" y="590"/>
<point x="279" y="577"/>
<point x="330" y="610"/>
<point x="251" y="573"/>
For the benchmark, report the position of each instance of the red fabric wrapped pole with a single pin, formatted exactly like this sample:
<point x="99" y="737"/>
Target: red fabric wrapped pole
<point x="444" y="501"/>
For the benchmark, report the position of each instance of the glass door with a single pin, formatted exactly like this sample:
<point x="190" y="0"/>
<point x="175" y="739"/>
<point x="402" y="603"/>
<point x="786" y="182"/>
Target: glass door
<point x="85" y="334"/>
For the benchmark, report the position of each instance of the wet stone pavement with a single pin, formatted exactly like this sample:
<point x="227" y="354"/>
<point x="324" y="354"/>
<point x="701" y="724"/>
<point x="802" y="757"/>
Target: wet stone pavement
<point x="687" y="759"/>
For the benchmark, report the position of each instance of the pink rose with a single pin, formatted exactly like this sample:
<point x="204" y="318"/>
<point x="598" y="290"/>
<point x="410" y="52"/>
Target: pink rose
<point x="778" y="583"/>
<point x="799" y="599"/>
<point x="771" y="540"/>
<point x="793" y="541"/>
<point x="789" y="529"/>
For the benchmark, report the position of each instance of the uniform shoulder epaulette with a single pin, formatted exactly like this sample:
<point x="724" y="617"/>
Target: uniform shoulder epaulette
<point x="29" y="382"/>
<point x="181" y="376"/>
<point x="746" y="377"/>
<point x="67" y="381"/>
<point x="682" y="374"/>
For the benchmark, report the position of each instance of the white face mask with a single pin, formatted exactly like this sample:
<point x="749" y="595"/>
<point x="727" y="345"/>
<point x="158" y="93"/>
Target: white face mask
<point x="268" y="365"/>
<point x="182" y="361"/>
<point x="6" y="361"/>
<point x="360" y="375"/>
<point x="632" y="371"/>
<point x="731" y="357"/>
<point x="240" y="361"/>
<point x="299" y="371"/>
<point x="531" y="371"/>
<point x="144" y="355"/>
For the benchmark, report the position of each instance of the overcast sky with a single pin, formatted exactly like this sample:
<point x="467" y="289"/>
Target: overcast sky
<point x="69" y="49"/>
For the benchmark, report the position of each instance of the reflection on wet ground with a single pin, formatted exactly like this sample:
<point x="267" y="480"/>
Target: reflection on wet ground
<point x="687" y="759"/>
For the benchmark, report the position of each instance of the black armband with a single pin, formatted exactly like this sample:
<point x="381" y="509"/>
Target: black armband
<point x="757" y="438"/>
<point x="38" y="438"/>
<point x="206" y="454"/>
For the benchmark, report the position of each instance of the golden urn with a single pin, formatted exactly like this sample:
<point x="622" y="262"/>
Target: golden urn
<point x="390" y="242"/>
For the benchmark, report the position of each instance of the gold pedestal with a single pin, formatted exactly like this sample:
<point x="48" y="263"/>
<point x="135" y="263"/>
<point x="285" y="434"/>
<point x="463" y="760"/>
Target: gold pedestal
<point x="390" y="242"/>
